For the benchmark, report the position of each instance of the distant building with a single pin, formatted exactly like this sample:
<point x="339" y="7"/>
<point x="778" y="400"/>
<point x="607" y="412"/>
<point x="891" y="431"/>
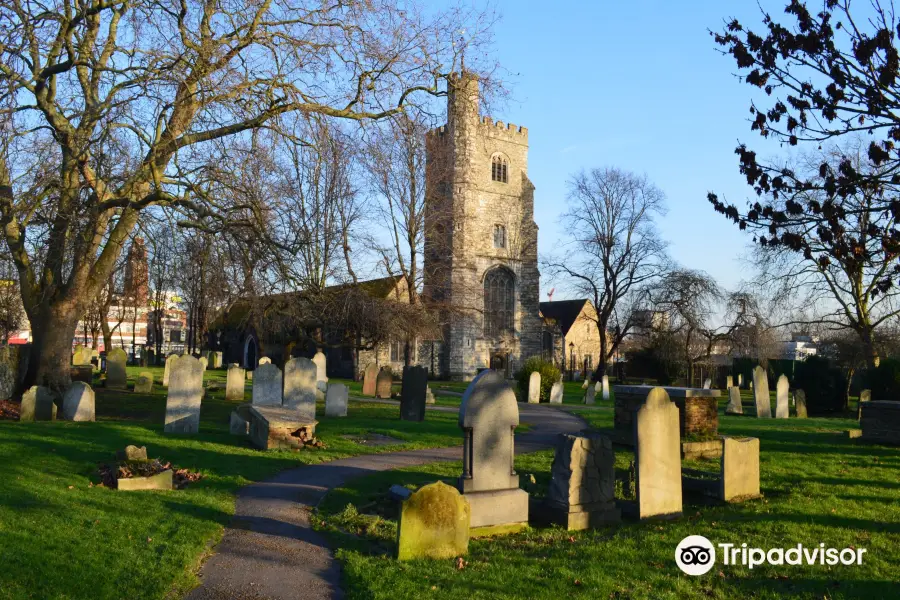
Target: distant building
<point x="800" y="347"/>
<point x="570" y="337"/>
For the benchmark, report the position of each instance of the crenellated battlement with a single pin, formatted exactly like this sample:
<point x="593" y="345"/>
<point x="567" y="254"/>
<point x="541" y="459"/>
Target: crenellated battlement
<point x="508" y="128"/>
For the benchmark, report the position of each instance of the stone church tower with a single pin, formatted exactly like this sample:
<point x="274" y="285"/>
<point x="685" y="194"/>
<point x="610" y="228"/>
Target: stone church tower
<point x="481" y="238"/>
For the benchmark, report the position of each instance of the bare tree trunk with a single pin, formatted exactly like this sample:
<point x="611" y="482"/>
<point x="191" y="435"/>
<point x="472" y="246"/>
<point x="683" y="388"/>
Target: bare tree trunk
<point x="50" y="357"/>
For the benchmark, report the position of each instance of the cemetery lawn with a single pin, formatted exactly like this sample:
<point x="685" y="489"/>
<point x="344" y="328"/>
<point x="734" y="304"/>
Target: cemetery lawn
<point x="818" y="486"/>
<point x="62" y="537"/>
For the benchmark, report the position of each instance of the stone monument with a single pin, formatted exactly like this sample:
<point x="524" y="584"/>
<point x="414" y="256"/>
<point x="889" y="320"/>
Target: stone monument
<point x="412" y="393"/>
<point x="583" y="482"/>
<point x="383" y="384"/>
<point x="534" y="388"/>
<point x="115" y="369"/>
<point x="369" y="378"/>
<point x="658" y="457"/>
<point x="234" y="383"/>
<point x="170" y="361"/>
<point x="299" y="387"/>
<point x="556" y="393"/>
<point x="434" y="523"/>
<point x="336" y="400"/>
<point x="267" y="385"/>
<point x="38" y="404"/>
<point x="78" y="403"/>
<point x="734" y="402"/>
<point x="184" y="397"/>
<point x="782" y="391"/>
<point x="761" y="393"/>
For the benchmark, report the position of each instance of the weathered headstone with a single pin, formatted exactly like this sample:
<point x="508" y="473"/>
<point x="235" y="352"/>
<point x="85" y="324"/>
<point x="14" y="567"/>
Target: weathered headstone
<point x="299" y="387"/>
<point x="434" y="523"/>
<point x="369" y="378"/>
<point x="782" y="390"/>
<point x="336" y="400"/>
<point x="238" y="425"/>
<point x="864" y="396"/>
<point x="78" y="402"/>
<point x="170" y="361"/>
<point x="587" y="381"/>
<point x="321" y="364"/>
<point x="556" y="393"/>
<point x="412" y="394"/>
<point x="800" y="404"/>
<point x="267" y="385"/>
<point x="658" y="457"/>
<point x="583" y="482"/>
<point x="132" y="452"/>
<point x="534" y="388"/>
<point x="217" y="359"/>
<point x="590" y="394"/>
<point x="707" y="383"/>
<point x="761" y="393"/>
<point x="234" y="383"/>
<point x="604" y="386"/>
<point x="144" y="383"/>
<point x="38" y="405"/>
<point x="488" y="416"/>
<point x="184" y="396"/>
<point x="729" y="382"/>
<point x="740" y="468"/>
<point x="82" y="355"/>
<point x="734" y="401"/>
<point x="265" y="360"/>
<point x="204" y="362"/>
<point x="429" y="395"/>
<point x="115" y="368"/>
<point x="383" y="384"/>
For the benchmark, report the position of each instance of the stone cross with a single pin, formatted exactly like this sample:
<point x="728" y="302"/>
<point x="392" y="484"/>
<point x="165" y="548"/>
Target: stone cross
<point x="37" y="405"/>
<point x="267" y="385"/>
<point x="761" y="393"/>
<point x="336" y="400"/>
<point x="170" y="360"/>
<point x="412" y="394"/>
<point x="782" y="391"/>
<point x="556" y="393"/>
<point x="234" y="383"/>
<point x="299" y="387"/>
<point x="734" y="401"/>
<point x="604" y="383"/>
<point x="800" y="404"/>
<point x="658" y="457"/>
<point x="534" y="388"/>
<point x="115" y="368"/>
<point x="78" y="402"/>
<point x="383" y="384"/>
<point x="185" y="396"/>
<point x="369" y="377"/>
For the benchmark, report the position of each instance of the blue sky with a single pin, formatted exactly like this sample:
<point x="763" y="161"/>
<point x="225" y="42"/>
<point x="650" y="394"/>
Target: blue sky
<point x="637" y="85"/>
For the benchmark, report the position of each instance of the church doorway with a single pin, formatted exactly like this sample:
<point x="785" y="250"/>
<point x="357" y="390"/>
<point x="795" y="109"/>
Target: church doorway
<point x="250" y="353"/>
<point x="500" y="363"/>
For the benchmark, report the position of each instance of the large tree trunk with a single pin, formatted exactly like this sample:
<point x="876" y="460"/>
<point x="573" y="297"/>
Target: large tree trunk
<point x="50" y="358"/>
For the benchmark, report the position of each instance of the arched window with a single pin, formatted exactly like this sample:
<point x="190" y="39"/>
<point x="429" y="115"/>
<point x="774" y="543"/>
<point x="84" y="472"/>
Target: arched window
<point x="499" y="236"/>
<point x="499" y="302"/>
<point x="499" y="169"/>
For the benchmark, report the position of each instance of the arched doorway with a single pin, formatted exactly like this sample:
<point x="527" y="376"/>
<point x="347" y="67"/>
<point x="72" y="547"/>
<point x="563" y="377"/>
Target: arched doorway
<point x="250" y="353"/>
<point x="500" y="363"/>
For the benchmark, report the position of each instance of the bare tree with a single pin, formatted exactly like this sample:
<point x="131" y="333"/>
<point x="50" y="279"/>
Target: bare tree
<point x="614" y="250"/>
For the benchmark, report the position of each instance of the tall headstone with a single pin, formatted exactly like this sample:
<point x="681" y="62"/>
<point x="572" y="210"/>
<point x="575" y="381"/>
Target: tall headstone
<point x="320" y="361"/>
<point x="412" y="394"/>
<point x="217" y="360"/>
<point x="534" y="388"/>
<point x="78" y="402"/>
<point x="170" y="361"/>
<point x="734" y="401"/>
<point x="658" y="457"/>
<point x="234" y="383"/>
<point x="740" y="468"/>
<point x="707" y="383"/>
<point x="144" y="383"/>
<point x="429" y="395"/>
<point x="299" y="387"/>
<point x="761" y="393"/>
<point x="782" y="391"/>
<point x="740" y="380"/>
<point x="383" y="384"/>
<point x="336" y="400"/>
<point x="267" y="385"/>
<point x="800" y="404"/>
<point x="729" y="381"/>
<point x="556" y="393"/>
<point x="37" y="405"/>
<point x="604" y="383"/>
<point x="488" y="417"/>
<point x="583" y="482"/>
<point x="590" y="394"/>
<point x="369" y="378"/>
<point x="184" y="397"/>
<point x="434" y="523"/>
<point x="115" y="368"/>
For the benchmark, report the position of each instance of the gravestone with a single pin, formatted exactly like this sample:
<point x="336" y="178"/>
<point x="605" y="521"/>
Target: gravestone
<point x="429" y="395"/>
<point x="234" y="383"/>
<point x="434" y="523"/>
<point x="184" y="396"/>
<point x="740" y="468"/>
<point x="590" y="394"/>
<point x="864" y="396"/>
<point x="267" y="385"/>
<point x="279" y="428"/>
<point x="369" y="378"/>
<point x="658" y="457"/>
<point x="584" y="385"/>
<point x="707" y="383"/>
<point x="37" y="405"/>
<point x="734" y="402"/>
<point x="240" y="420"/>
<point x="321" y="362"/>
<point x="412" y="394"/>
<point x="84" y="373"/>
<point x="336" y="400"/>
<point x="488" y="416"/>
<point x="556" y="393"/>
<point x="78" y="402"/>
<point x="800" y="404"/>
<point x="782" y="390"/>
<point x="115" y="369"/>
<point x="383" y="384"/>
<point x="740" y="379"/>
<point x="583" y="482"/>
<point x="217" y="360"/>
<point x="82" y="355"/>
<point x="761" y="393"/>
<point x="144" y="383"/>
<point x="204" y="362"/>
<point x="265" y="360"/>
<point x="534" y="388"/>
<point x="170" y="361"/>
<point x="729" y="382"/>
<point x="604" y="386"/>
<point x="299" y="387"/>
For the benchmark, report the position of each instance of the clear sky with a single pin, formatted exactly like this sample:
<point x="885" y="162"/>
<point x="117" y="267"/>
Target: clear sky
<point x="638" y="85"/>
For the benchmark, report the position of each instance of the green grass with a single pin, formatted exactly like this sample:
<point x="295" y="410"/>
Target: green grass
<point x="818" y="485"/>
<point x="62" y="538"/>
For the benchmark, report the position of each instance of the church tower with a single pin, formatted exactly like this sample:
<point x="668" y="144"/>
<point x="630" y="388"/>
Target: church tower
<point x="480" y="238"/>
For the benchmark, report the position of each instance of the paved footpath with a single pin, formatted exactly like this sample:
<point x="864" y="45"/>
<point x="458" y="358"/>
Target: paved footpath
<point x="270" y="551"/>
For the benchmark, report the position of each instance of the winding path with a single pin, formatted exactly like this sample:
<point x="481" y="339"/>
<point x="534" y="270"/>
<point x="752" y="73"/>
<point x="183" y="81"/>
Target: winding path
<point x="270" y="551"/>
